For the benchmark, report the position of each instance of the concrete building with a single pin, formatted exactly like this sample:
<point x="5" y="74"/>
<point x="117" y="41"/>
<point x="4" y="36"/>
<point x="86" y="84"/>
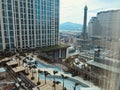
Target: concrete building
<point x="105" y="24"/>
<point x="105" y="72"/>
<point x="28" y="23"/>
<point x="104" y="28"/>
<point x="93" y="29"/>
<point x="109" y="24"/>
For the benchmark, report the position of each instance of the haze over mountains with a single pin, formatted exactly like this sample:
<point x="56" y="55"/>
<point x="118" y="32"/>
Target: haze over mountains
<point x="70" y="26"/>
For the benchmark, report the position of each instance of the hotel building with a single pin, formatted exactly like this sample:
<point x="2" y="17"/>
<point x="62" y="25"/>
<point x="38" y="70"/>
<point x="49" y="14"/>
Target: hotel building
<point x="28" y="23"/>
<point x="105" y="24"/>
<point x="104" y="28"/>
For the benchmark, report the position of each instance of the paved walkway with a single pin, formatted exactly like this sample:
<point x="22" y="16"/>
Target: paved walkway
<point x="42" y="86"/>
<point x="49" y="84"/>
<point x="90" y="84"/>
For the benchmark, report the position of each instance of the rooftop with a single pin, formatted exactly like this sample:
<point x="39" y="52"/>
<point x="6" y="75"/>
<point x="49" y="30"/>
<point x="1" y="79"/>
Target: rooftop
<point x="104" y="66"/>
<point x="49" y="48"/>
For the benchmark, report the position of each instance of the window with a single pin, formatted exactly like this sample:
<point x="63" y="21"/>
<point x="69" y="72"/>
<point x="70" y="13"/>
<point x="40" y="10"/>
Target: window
<point x="10" y="13"/>
<point x="10" y="20"/>
<point x="9" y="7"/>
<point x="9" y="1"/>
<point x="11" y="27"/>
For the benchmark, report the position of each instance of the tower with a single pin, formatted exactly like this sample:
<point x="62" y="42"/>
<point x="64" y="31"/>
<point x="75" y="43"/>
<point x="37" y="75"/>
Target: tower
<point x="84" y="34"/>
<point x="85" y="20"/>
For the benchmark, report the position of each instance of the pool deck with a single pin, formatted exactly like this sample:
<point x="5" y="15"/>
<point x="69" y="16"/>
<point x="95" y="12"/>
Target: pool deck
<point x="49" y="84"/>
<point x="90" y="84"/>
<point x="42" y="86"/>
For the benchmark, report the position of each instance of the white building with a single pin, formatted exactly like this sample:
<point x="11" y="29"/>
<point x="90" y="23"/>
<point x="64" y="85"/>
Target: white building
<point x="105" y="24"/>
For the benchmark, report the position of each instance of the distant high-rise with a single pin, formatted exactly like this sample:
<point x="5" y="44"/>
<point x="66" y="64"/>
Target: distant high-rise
<point x="105" y="24"/>
<point x="28" y="23"/>
<point x="104" y="28"/>
<point x="93" y="30"/>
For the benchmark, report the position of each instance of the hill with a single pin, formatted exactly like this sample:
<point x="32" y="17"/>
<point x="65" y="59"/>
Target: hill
<point x="70" y="26"/>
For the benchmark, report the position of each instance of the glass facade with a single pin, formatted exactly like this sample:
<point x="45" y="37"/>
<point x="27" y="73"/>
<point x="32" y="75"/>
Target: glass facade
<point x="29" y="23"/>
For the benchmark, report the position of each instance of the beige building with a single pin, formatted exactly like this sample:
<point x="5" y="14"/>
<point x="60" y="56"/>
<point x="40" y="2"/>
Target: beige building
<point x="105" y="28"/>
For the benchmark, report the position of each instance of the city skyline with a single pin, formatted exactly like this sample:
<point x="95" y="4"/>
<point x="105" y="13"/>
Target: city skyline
<point x="72" y="10"/>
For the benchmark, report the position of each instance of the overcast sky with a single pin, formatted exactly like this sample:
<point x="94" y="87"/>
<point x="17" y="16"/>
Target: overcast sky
<point x="72" y="10"/>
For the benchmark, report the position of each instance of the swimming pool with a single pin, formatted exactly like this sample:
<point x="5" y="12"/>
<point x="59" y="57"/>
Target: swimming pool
<point x="68" y="83"/>
<point x="43" y="65"/>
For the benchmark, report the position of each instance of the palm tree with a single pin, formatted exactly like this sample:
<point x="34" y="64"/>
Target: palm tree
<point x="56" y="82"/>
<point x="33" y="70"/>
<point x="27" y="73"/>
<point x="39" y="71"/>
<point x="76" y="84"/>
<point x="32" y="78"/>
<point x="19" y="58"/>
<point x="46" y="73"/>
<point x="64" y="77"/>
<point x="54" y="72"/>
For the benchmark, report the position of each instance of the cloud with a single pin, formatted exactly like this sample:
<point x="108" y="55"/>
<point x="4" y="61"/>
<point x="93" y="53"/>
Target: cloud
<point x="73" y="10"/>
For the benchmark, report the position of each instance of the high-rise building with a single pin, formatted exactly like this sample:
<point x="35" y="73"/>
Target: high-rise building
<point x="104" y="28"/>
<point x="105" y="24"/>
<point x="28" y="23"/>
<point x="93" y="29"/>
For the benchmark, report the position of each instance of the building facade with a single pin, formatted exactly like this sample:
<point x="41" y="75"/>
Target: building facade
<point x="105" y="72"/>
<point x="93" y="29"/>
<point x="105" y="24"/>
<point x="104" y="28"/>
<point x="28" y="23"/>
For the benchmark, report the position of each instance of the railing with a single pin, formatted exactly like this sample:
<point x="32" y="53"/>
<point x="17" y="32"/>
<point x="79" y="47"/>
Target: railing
<point x="27" y="81"/>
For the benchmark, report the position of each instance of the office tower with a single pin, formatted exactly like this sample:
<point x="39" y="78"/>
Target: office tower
<point x="28" y="23"/>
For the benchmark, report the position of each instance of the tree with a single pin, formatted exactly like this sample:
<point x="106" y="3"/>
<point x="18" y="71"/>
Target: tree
<point x="76" y="84"/>
<point x="33" y="69"/>
<point x="56" y="82"/>
<point x="32" y="78"/>
<point x="38" y="82"/>
<point x="27" y="73"/>
<point x="64" y="77"/>
<point x="54" y="72"/>
<point x="46" y="73"/>
<point x="19" y="58"/>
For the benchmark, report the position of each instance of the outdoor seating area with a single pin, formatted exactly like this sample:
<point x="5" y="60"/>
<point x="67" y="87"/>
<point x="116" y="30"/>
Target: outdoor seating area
<point x="18" y="69"/>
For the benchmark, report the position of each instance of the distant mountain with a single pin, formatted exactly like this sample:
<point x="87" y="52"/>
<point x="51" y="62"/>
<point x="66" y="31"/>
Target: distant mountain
<point x="70" y="26"/>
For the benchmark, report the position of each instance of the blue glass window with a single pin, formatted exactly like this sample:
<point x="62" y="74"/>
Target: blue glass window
<point x="11" y="33"/>
<point x="9" y="7"/>
<point x="4" y="20"/>
<point x="11" y="27"/>
<point x="8" y="1"/>
<point x="10" y="14"/>
<point x="10" y="20"/>
<point x="4" y="13"/>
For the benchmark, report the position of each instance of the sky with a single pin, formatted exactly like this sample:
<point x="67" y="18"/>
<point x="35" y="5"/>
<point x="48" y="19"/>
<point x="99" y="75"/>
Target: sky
<point x="73" y="10"/>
